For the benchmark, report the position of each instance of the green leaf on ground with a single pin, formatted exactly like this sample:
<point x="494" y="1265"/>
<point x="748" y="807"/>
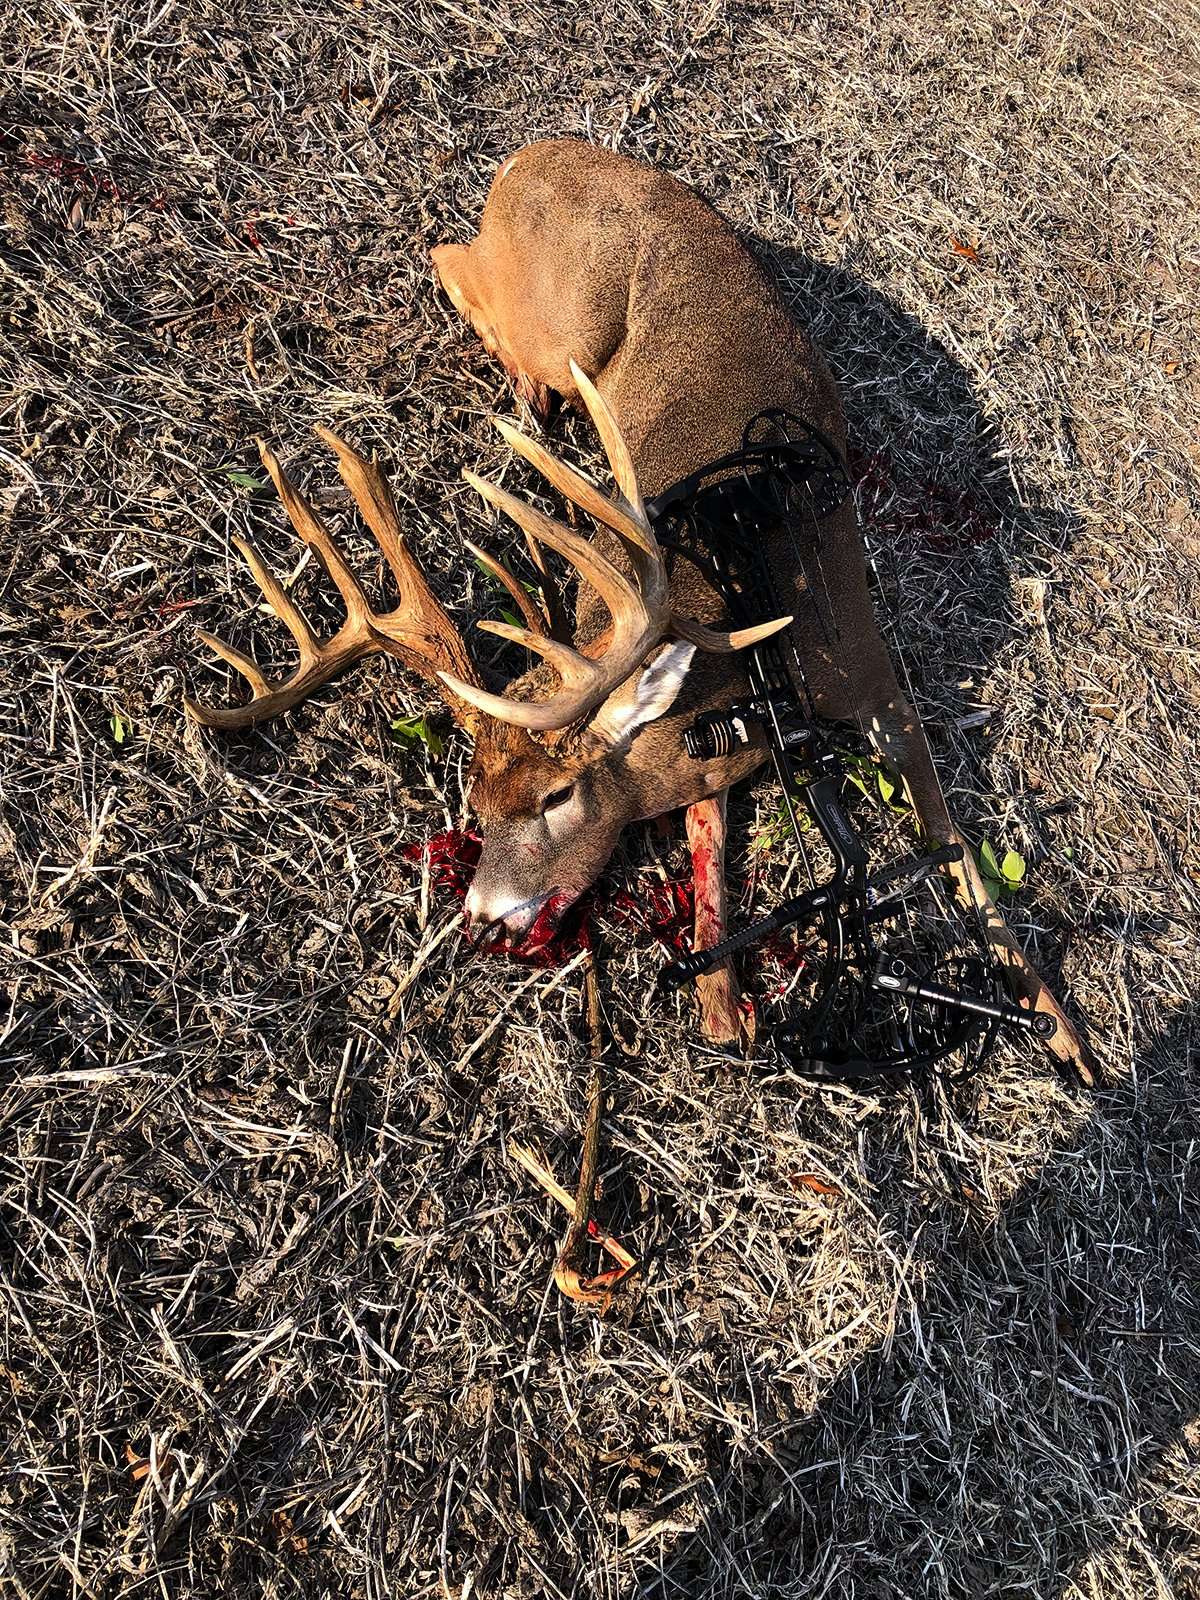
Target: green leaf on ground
<point x="1001" y="874"/>
<point x="1012" y="868"/>
<point x="418" y="730"/>
<point x="243" y="480"/>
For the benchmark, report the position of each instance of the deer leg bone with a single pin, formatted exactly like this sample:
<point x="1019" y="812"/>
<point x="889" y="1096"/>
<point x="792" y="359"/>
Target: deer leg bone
<point x="724" y="1017"/>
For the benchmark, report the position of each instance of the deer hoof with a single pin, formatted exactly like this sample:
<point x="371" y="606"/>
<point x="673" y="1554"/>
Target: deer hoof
<point x="1068" y="1048"/>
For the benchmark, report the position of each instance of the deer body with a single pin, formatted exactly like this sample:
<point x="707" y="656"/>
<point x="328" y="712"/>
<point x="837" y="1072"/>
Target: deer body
<point x="611" y="284"/>
<point x="584" y="255"/>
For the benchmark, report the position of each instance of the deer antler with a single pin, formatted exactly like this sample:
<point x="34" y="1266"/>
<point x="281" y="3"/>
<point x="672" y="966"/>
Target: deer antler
<point x="639" y="607"/>
<point x="418" y="630"/>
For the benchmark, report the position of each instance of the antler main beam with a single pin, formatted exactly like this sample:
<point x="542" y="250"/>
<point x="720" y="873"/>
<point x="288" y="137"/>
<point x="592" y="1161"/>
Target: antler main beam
<point x="639" y="607"/>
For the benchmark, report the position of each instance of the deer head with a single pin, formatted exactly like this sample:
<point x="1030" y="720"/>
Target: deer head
<point x="556" y="776"/>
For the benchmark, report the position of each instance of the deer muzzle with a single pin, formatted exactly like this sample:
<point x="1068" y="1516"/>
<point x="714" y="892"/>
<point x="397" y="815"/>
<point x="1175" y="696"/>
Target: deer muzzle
<point x="493" y="916"/>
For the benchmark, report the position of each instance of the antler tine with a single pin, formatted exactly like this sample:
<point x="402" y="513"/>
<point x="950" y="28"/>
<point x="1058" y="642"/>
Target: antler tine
<point x="369" y="489"/>
<point x="536" y="716"/>
<point x="313" y="531"/>
<point x="579" y="490"/>
<point x="614" y="444"/>
<point x="613" y="587"/>
<point x="418" y="630"/>
<point x="574" y="668"/>
<point x="627" y="518"/>
<point x="640" y="609"/>
<point x="239" y="661"/>
<point x="646" y="555"/>
<point x="717" y="643"/>
<point x="533" y="617"/>
<point x="556" y="616"/>
<point x="318" y="662"/>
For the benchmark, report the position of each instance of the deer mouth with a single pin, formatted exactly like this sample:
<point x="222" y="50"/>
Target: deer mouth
<point x="546" y="925"/>
<point x="537" y="929"/>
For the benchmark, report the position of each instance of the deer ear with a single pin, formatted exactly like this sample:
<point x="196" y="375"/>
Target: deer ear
<point x="643" y="699"/>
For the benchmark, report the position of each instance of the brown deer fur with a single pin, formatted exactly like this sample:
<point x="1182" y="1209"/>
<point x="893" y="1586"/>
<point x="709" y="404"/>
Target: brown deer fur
<point x="584" y="255"/>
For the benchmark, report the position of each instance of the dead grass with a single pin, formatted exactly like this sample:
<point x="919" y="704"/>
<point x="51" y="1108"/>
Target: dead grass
<point x="261" y="1232"/>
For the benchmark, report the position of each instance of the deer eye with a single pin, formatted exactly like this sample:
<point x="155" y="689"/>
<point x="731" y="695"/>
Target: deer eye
<point x="557" y="797"/>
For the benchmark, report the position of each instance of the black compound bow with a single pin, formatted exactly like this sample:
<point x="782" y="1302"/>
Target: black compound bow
<point x="906" y="978"/>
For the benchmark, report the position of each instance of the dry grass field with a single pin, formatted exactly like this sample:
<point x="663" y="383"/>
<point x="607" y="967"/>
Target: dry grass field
<point x="275" y="1309"/>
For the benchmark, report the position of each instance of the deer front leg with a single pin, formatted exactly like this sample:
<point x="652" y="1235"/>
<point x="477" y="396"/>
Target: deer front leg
<point x="724" y="1017"/>
<point x="900" y="739"/>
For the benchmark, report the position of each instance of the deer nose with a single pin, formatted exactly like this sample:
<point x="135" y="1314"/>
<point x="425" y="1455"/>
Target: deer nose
<point x="497" y="915"/>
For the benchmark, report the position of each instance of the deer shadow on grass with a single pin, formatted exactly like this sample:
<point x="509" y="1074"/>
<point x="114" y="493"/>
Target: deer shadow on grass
<point x="1062" y="1331"/>
<point x="1067" y="1314"/>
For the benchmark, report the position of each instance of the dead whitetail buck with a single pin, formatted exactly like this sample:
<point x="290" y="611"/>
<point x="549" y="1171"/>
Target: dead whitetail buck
<point x="588" y="263"/>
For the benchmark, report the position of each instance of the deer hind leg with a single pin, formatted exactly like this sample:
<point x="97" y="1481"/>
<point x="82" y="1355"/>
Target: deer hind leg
<point x="900" y="740"/>
<point x="724" y="1016"/>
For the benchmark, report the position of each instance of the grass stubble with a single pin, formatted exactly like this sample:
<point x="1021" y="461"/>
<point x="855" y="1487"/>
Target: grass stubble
<point x="275" y="1314"/>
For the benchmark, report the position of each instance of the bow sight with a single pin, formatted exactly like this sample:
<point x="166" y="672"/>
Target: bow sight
<point x="904" y="977"/>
